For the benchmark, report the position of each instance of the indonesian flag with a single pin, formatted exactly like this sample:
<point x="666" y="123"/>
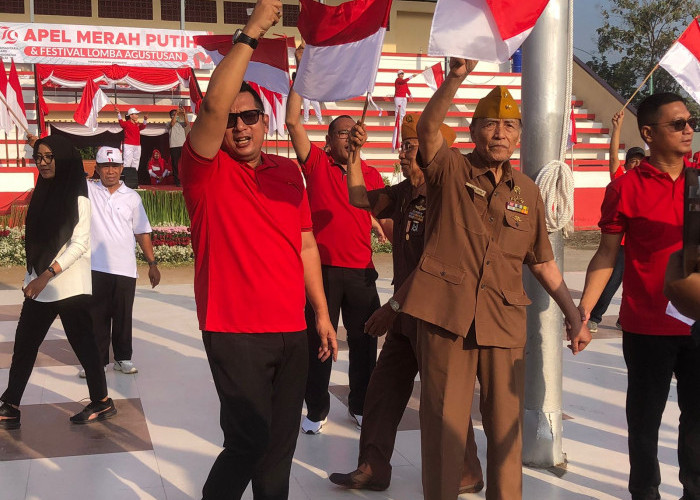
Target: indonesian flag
<point x="268" y="67"/>
<point x="5" y="120"/>
<point x="483" y="30"/>
<point x="682" y="60"/>
<point x="275" y="107"/>
<point x="15" y="101"/>
<point x="434" y="76"/>
<point x="92" y="101"/>
<point x="343" y="47"/>
<point x="396" y="138"/>
<point x="572" y="136"/>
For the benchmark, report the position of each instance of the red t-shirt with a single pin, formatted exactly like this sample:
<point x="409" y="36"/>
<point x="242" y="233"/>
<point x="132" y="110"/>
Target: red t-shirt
<point x="132" y="132"/>
<point x="246" y="236"/>
<point x="342" y="231"/>
<point x="401" y="87"/>
<point x="647" y="206"/>
<point x="618" y="173"/>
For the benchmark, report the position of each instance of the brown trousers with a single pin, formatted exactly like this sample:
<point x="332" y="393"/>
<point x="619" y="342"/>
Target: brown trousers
<point x="389" y="391"/>
<point x="449" y="366"/>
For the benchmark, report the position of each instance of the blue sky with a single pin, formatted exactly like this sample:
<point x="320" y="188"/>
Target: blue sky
<point x="587" y="19"/>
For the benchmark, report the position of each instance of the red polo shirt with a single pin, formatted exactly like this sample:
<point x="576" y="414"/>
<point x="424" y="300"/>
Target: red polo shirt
<point x="647" y="206"/>
<point x="246" y="236"/>
<point x="401" y="87"/>
<point x="132" y="132"/>
<point x="342" y="231"/>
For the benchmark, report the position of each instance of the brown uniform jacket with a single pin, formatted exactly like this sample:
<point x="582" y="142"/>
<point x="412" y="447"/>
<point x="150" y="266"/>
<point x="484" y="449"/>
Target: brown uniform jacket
<point x="471" y="268"/>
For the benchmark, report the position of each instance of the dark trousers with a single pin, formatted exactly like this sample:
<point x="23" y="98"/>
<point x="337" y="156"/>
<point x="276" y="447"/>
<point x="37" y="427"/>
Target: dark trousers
<point x="610" y="288"/>
<point x="353" y="291"/>
<point x="388" y="394"/>
<point x="651" y="361"/>
<point x="34" y="323"/>
<point x="112" y="310"/>
<point x="260" y="380"/>
<point x="175" y="154"/>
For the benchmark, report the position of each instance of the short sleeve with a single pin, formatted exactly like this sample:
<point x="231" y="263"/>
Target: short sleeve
<point x="445" y="161"/>
<point x="195" y="168"/>
<point x="316" y="156"/>
<point x="384" y="200"/>
<point x="618" y="173"/>
<point x="373" y="179"/>
<point x="612" y="220"/>
<point x="541" y="248"/>
<point x="140" y="223"/>
<point x="305" y="214"/>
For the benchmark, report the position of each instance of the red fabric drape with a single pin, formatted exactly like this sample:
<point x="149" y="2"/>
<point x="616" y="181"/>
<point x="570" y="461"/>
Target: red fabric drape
<point x="151" y="76"/>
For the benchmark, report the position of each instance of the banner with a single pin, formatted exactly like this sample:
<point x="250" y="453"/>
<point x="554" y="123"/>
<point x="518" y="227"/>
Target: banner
<point x="75" y="44"/>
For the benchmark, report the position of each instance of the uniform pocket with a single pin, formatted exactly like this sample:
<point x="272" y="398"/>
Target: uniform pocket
<point x="516" y="298"/>
<point x="451" y="274"/>
<point x="515" y="235"/>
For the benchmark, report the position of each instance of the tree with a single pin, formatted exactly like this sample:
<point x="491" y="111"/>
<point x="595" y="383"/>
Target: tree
<point x="638" y="33"/>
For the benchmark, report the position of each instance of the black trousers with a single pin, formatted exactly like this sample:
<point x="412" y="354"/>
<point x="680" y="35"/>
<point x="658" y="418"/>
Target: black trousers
<point x="353" y="291"/>
<point x="112" y="311"/>
<point x="175" y="154"/>
<point x="651" y="361"/>
<point x="34" y="323"/>
<point x="260" y="380"/>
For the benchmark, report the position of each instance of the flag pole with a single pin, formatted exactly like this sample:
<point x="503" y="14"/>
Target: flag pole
<point x="14" y="116"/>
<point x="277" y="144"/>
<point x="640" y="86"/>
<point x="7" y="150"/>
<point x="364" y="110"/>
<point x="17" y="143"/>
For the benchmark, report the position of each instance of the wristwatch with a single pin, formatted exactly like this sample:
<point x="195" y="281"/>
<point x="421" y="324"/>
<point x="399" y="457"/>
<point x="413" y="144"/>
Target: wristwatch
<point x="240" y="37"/>
<point x="152" y="263"/>
<point x="51" y="270"/>
<point x="395" y="306"/>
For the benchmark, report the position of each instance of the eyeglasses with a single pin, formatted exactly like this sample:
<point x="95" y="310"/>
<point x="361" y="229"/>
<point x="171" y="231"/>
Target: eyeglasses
<point x="43" y="158"/>
<point x="680" y="124"/>
<point x="343" y="134"/>
<point x="249" y="117"/>
<point x="406" y="147"/>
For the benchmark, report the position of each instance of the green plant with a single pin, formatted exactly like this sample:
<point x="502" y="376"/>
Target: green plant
<point x="165" y="207"/>
<point x="88" y="152"/>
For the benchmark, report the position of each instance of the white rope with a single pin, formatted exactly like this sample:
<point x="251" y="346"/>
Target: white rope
<point x="555" y="179"/>
<point x="556" y="183"/>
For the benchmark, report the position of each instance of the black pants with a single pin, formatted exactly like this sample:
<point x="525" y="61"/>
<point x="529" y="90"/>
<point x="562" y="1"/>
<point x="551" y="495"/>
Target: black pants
<point x="175" y="154"/>
<point x="353" y="291"/>
<point x="260" y="380"/>
<point x="112" y="311"/>
<point x="651" y="361"/>
<point x="34" y="323"/>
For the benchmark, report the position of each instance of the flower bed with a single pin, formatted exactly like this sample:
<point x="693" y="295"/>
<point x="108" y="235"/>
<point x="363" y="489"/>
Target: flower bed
<point x="12" y="246"/>
<point x="171" y="245"/>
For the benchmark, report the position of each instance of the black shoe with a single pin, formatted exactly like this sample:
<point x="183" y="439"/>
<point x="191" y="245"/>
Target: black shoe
<point x="94" y="412"/>
<point x="11" y="417"/>
<point x="358" y="480"/>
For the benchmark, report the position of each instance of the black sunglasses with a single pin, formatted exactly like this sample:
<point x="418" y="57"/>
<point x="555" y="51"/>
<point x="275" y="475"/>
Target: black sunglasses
<point x="249" y="117"/>
<point x="680" y="124"/>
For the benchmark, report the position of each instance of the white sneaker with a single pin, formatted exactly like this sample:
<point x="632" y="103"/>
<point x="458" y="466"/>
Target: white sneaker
<point x="592" y="326"/>
<point x="357" y="419"/>
<point x="81" y="373"/>
<point x="311" y="427"/>
<point x="125" y="366"/>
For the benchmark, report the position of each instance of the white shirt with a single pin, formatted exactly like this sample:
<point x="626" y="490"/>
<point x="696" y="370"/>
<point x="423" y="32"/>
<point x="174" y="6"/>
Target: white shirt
<point x="74" y="259"/>
<point x="116" y="218"/>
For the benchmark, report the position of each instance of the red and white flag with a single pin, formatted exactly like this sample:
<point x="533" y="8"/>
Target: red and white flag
<point x="5" y="120"/>
<point x="682" y="60"/>
<point x="15" y="100"/>
<point x="268" y="66"/>
<point x="396" y="138"/>
<point x="434" y="76"/>
<point x="343" y="47"/>
<point x="483" y="30"/>
<point x="275" y="105"/>
<point x="92" y="101"/>
<point x="572" y="137"/>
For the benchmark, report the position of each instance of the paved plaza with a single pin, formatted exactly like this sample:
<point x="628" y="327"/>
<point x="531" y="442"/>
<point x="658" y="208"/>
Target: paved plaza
<point x="166" y="436"/>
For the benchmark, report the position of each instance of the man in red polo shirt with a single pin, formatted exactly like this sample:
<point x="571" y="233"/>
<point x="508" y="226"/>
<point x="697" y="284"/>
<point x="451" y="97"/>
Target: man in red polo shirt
<point x="343" y="236"/>
<point x="255" y="260"/>
<point x="132" y="144"/>
<point x="646" y="207"/>
<point x="401" y="95"/>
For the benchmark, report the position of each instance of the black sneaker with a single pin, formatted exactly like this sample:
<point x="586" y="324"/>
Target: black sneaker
<point x="10" y="416"/>
<point x="94" y="412"/>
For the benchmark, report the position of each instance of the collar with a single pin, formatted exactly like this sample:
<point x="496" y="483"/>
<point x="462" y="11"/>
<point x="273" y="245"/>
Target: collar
<point x="478" y="168"/>
<point x="648" y="170"/>
<point x="266" y="161"/>
<point x="121" y="189"/>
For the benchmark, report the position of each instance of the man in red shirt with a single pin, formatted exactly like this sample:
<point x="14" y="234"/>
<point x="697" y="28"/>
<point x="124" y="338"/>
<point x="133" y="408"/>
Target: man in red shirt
<point x="132" y="145"/>
<point x="255" y="261"/>
<point x="646" y="207"/>
<point x="343" y="236"/>
<point x="401" y="94"/>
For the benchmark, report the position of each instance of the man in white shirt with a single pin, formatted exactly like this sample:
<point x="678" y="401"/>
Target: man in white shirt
<point x="118" y="217"/>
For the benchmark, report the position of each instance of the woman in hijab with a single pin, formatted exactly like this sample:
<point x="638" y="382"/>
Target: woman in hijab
<point x="158" y="170"/>
<point x="58" y="280"/>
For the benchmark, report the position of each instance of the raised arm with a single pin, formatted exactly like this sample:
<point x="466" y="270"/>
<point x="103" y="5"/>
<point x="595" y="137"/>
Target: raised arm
<point x="614" y="160"/>
<point x="357" y="190"/>
<point x="210" y="126"/>
<point x="297" y="133"/>
<point x="429" y="138"/>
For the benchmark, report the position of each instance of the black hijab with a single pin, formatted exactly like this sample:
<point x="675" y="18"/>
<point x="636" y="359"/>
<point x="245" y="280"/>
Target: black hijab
<point x="53" y="209"/>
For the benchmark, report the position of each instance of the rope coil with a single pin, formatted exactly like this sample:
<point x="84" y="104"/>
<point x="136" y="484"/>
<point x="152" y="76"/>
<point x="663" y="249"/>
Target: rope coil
<point x="556" y="183"/>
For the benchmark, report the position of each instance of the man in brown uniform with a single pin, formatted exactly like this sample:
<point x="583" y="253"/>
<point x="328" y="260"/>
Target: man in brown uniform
<point x="391" y="384"/>
<point x="484" y="220"/>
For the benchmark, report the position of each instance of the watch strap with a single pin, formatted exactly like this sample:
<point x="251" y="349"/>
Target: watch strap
<point x="240" y="37"/>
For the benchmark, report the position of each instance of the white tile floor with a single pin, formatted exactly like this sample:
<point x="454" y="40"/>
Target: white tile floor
<point x="181" y="409"/>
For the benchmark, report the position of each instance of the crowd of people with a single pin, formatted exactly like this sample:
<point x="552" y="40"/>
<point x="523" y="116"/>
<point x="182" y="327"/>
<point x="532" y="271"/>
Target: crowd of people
<point x="462" y="228"/>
